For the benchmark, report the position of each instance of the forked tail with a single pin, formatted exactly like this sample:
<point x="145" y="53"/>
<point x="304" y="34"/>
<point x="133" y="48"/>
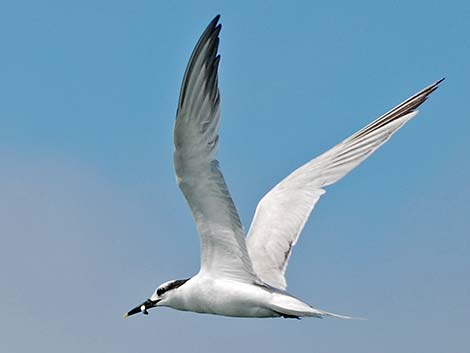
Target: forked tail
<point x="326" y="313"/>
<point x="291" y="307"/>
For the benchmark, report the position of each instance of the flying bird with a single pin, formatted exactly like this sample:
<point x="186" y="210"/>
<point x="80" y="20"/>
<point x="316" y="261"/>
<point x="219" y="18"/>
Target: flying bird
<point x="238" y="276"/>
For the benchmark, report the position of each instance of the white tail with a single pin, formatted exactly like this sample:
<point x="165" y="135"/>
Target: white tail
<point x="288" y="306"/>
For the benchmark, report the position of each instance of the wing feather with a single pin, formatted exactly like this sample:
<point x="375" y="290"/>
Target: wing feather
<point x="223" y="249"/>
<point x="282" y="213"/>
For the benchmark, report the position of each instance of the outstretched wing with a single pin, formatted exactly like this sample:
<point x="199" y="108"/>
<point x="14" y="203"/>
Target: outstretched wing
<point x="282" y="212"/>
<point x="223" y="249"/>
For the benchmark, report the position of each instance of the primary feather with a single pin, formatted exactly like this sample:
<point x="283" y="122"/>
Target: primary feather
<point x="281" y="214"/>
<point x="223" y="249"/>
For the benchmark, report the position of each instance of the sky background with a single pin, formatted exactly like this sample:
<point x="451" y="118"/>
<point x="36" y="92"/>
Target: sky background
<point x="91" y="219"/>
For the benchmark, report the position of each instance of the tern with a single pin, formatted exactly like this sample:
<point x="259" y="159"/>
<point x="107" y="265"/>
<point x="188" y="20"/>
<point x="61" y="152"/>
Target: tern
<point x="238" y="276"/>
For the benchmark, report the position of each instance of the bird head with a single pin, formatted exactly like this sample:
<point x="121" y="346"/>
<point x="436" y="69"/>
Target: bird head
<point x="159" y="298"/>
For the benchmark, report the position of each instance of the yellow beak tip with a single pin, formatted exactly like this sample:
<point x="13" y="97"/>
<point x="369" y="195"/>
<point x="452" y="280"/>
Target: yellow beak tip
<point x="125" y="315"/>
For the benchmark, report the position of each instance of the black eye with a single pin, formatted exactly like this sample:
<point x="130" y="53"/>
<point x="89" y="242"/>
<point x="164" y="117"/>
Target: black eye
<point x="160" y="291"/>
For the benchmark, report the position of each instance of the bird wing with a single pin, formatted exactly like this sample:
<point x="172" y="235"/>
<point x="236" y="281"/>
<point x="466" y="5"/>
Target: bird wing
<point x="282" y="213"/>
<point x="223" y="248"/>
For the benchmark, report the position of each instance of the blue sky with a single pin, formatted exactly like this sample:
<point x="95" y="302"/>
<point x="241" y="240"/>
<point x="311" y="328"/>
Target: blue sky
<point x="92" y="220"/>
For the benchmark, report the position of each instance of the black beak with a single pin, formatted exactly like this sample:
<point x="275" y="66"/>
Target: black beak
<point x="142" y="308"/>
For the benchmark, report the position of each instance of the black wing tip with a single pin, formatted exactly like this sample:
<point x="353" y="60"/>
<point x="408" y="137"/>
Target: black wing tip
<point x="431" y="88"/>
<point x="437" y="83"/>
<point x="210" y="34"/>
<point x="212" y="30"/>
<point x="214" y="23"/>
<point x="408" y="106"/>
<point x="216" y="30"/>
<point x="434" y="86"/>
<point x="216" y="61"/>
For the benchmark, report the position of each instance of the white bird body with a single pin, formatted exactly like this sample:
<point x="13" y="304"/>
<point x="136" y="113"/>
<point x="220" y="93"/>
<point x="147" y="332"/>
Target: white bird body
<point x="205" y="294"/>
<point x="227" y="297"/>
<point x="246" y="277"/>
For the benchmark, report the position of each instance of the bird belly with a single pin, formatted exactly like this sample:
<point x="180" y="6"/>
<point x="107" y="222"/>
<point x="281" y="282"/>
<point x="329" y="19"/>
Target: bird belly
<point x="224" y="297"/>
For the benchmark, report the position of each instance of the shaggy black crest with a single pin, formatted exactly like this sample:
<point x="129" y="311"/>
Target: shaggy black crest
<point x="171" y="285"/>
